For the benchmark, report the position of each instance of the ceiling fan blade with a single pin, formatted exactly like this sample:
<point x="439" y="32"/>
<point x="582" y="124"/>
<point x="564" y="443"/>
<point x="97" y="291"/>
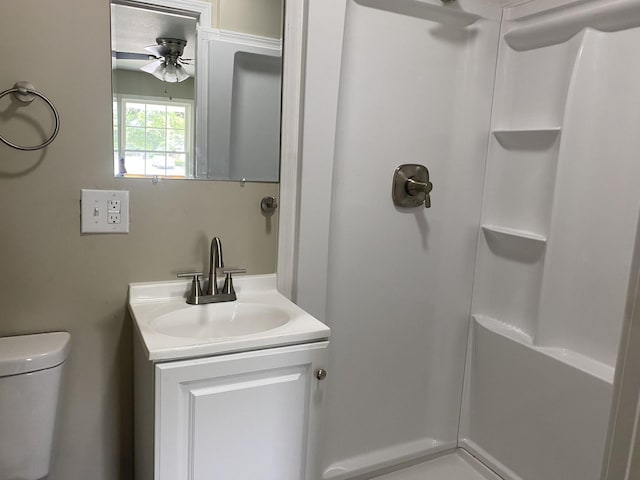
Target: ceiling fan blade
<point x="151" y="67"/>
<point x="131" y="56"/>
<point x="157" y="50"/>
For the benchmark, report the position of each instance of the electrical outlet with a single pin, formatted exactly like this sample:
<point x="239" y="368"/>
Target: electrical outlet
<point x="104" y="211"/>
<point x="113" y="205"/>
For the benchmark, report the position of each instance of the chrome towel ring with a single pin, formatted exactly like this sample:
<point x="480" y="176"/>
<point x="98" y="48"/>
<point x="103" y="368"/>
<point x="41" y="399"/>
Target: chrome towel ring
<point x="25" y="93"/>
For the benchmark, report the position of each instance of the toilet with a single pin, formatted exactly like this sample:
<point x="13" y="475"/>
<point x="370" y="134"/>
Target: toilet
<point x="30" y="373"/>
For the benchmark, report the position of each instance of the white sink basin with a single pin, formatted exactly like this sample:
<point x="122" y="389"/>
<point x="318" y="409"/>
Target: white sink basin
<point x="171" y="329"/>
<point x="221" y="320"/>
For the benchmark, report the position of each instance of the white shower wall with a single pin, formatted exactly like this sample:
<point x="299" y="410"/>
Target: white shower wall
<point x="528" y="241"/>
<point x="558" y="222"/>
<point x="399" y="280"/>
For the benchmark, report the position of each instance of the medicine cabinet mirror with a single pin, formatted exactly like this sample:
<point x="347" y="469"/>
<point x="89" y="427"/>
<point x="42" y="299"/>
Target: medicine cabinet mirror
<point x="197" y="89"/>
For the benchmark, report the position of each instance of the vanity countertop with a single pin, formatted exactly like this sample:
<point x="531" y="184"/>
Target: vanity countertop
<point x="170" y="329"/>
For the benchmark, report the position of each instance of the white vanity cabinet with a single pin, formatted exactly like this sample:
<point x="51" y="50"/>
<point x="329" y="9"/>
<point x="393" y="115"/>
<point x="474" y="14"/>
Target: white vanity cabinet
<point x="240" y="416"/>
<point x="226" y="391"/>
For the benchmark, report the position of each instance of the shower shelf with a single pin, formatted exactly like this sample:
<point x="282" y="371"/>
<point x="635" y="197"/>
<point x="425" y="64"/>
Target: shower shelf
<point x="552" y="131"/>
<point x="421" y="9"/>
<point x="569" y="357"/>
<point x="503" y="328"/>
<point x="514" y="233"/>
<point x="528" y="138"/>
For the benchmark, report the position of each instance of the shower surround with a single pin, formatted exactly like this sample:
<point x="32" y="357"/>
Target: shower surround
<point x="491" y="321"/>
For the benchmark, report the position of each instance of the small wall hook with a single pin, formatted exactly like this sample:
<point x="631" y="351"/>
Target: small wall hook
<point x="268" y="205"/>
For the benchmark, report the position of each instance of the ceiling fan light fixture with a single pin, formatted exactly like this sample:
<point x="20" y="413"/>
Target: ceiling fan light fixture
<point x="168" y="46"/>
<point x="181" y="74"/>
<point x="170" y="73"/>
<point x="169" y="69"/>
<point x="158" y="72"/>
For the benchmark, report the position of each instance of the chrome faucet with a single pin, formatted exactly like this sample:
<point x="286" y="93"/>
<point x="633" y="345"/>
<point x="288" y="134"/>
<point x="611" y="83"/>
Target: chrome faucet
<point x="215" y="262"/>
<point x="213" y="293"/>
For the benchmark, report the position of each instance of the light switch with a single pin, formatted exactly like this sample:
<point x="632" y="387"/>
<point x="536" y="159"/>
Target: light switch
<point x="104" y="211"/>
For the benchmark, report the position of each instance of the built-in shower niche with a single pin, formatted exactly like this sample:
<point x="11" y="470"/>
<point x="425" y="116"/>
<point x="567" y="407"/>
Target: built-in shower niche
<point x="520" y="179"/>
<point x="513" y="388"/>
<point x="532" y="86"/>
<point x="519" y="186"/>
<point x="508" y="281"/>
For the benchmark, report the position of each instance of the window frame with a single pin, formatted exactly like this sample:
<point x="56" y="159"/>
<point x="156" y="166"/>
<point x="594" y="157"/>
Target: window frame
<point x="120" y="149"/>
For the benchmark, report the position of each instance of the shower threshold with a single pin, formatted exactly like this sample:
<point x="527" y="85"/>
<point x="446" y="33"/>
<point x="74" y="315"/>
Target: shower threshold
<point x="458" y="465"/>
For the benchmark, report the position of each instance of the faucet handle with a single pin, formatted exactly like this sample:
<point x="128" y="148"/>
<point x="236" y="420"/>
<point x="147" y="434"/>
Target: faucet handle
<point x="415" y="187"/>
<point x="228" y="279"/>
<point x="232" y="270"/>
<point x="196" y="289"/>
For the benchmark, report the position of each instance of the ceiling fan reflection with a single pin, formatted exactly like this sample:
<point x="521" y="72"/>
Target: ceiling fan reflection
<point x="168" y="62"/>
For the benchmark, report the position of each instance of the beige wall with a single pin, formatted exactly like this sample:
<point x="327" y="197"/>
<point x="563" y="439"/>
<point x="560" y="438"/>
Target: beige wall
<point x="53" y="278"/>
<point x="256" y="17"/>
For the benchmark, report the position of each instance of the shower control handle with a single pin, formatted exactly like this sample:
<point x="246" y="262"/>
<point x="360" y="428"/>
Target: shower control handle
<point x="415" y="187"/>
<point x="411" y="186"/>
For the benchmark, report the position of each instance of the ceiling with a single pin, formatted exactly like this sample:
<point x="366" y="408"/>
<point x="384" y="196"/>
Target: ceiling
<point x="133" y="28"/>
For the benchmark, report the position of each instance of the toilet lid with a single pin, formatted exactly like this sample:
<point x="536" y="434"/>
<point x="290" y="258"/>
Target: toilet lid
<point x="29" y="353"/>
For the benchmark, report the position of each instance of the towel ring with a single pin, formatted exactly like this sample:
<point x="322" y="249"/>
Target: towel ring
<point x="25" y="93"/>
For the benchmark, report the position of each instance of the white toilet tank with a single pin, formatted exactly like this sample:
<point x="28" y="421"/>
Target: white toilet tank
<point x="30" y="371"/>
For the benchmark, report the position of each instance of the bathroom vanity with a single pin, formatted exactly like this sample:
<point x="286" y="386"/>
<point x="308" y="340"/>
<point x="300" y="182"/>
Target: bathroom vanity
<point x="232" y="390"/>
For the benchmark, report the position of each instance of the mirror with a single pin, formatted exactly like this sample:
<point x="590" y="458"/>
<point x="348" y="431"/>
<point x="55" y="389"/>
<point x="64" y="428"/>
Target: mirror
<point x="195" y="102"/>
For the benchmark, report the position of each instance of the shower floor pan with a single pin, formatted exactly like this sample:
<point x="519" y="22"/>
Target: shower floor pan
<point x="458" y="465"/>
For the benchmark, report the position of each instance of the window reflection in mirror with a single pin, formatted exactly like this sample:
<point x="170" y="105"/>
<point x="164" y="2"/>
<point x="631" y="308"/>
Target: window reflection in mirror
<point x="191" y="101"/>
<point x="155" y="137"/>
<point x="153" y="70"/>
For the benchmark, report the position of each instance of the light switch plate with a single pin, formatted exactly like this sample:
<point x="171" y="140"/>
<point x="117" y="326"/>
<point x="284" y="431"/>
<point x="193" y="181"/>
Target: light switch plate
<point x="97" y="208"/>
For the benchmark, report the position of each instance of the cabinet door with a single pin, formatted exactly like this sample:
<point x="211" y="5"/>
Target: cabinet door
<point x="245" y="416"/>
